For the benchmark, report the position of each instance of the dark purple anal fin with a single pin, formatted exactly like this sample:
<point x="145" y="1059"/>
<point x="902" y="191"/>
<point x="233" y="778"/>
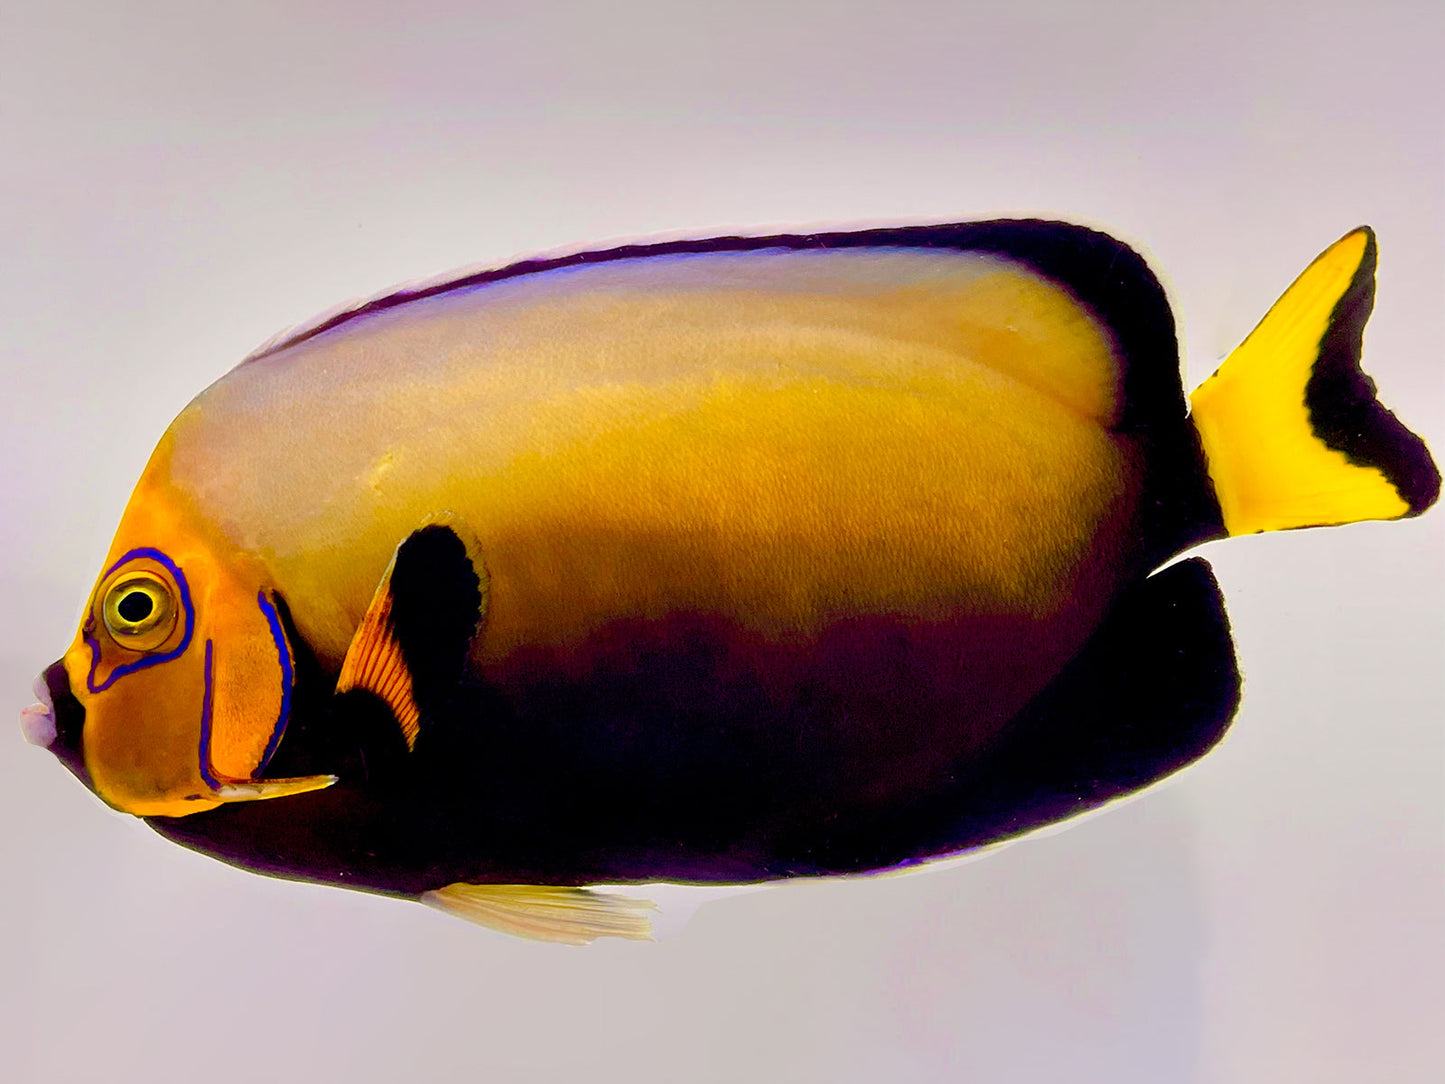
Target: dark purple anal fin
<point x="411" y="648"/>
<point x="1153" y="690"/>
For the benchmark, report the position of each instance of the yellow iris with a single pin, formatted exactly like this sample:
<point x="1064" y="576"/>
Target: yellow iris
<point x="139" y="612"/>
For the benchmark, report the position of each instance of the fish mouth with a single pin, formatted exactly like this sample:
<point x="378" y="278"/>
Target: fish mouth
<point x="37" y="722"/>
<point x="56" y="721"/>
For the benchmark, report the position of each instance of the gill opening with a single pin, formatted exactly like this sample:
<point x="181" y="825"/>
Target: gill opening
<point x="250" y="790"/>
<point x="207" y="772"/>
<point x="283" y="656"/>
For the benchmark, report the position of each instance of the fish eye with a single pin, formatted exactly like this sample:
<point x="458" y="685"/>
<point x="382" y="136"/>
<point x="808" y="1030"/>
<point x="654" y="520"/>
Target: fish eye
<point x="139" y="612"/>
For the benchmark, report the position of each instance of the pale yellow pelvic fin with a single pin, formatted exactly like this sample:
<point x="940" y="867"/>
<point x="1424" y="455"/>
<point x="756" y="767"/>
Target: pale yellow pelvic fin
<point x="569" y="916"/>
<point x="374" y="662"/>
<point x="257" y="790"/>
<point x="1291" y="430"/>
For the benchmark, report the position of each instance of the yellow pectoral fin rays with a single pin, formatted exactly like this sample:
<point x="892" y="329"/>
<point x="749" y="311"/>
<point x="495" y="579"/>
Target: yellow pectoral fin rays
<point x="374" y="662"/>
<point x="1290" y="426"/>
<point x="569" y="916"/>
<point x="443" y="593"/>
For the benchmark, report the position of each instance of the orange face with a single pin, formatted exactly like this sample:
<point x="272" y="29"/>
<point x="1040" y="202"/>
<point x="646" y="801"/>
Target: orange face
<point x="183" y="667"/>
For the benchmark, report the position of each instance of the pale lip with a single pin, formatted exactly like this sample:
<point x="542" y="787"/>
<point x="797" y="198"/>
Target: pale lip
<point x="37" y="722"/>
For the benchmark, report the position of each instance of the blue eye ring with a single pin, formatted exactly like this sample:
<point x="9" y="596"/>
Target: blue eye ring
<point x="139" y="611"/>
<point x="187" y="612"/>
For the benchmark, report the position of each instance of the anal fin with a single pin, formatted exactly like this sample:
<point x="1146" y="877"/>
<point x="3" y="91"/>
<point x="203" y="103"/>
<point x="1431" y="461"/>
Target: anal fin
<point x="1152" y="691"/>
<point x="569" y="916"/>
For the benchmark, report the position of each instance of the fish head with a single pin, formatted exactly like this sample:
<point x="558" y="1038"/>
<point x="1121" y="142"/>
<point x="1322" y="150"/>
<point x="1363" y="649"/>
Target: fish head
<point x="177" y="688"/>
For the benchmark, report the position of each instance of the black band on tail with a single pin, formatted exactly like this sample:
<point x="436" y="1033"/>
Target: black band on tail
<point x="1342" y="405"/>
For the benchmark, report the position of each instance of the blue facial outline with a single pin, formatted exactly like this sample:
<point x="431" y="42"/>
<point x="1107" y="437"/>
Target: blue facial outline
<point x="283" y="654"/>
<point x="207" y="776"/>
<point x="278" y="638"/>
<point x="150" y="660"/>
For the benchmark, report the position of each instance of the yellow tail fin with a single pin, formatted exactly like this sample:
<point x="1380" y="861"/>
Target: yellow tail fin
<point x="1292" y="431"/>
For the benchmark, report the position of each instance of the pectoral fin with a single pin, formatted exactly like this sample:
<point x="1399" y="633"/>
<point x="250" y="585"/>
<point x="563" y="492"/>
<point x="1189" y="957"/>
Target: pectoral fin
<point x="569" y="916"/>
<point x="374" y="662"/>
<point x="412" y="645"/>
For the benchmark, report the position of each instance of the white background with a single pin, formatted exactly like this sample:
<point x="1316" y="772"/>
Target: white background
<point x="179" y="181"/>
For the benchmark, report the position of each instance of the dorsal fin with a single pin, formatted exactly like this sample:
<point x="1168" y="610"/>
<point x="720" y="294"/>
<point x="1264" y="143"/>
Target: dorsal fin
<point x="1103" y="273"/>
<point x="412" y="644"/>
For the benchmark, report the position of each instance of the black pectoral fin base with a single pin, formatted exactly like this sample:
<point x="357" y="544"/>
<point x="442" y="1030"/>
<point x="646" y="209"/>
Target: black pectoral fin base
<point x="1154" y="690"/>
<point x="412" y="645"/>
<point x="438" y="595"/>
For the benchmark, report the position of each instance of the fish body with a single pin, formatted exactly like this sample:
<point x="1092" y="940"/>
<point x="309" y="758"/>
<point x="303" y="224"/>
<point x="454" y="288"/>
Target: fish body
<point x="727" y="560"/>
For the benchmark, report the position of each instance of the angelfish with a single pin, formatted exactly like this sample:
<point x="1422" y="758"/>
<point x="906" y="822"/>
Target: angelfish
<point x="709" y="561"/>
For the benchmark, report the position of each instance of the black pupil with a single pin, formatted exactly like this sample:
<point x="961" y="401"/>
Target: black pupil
<point x="136" y="606"/>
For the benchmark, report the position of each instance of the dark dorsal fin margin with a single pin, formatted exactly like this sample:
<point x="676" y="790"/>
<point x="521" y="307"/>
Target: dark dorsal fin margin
<point x="1104" y="274"/>
<point x="1344" y="411"/>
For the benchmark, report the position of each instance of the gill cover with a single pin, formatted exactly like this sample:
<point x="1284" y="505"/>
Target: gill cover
<point x="183" y="666"/>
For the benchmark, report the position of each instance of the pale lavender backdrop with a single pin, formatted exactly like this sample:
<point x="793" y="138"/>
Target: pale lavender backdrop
<point x="176" y="184"/>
